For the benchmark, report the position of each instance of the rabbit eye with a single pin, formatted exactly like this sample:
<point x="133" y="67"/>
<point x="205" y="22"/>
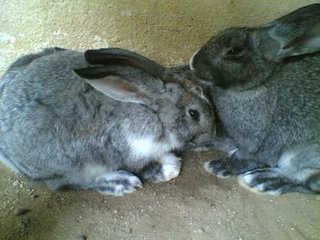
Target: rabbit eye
<point x="194" y="114"/>
<point x="234" y="51"/>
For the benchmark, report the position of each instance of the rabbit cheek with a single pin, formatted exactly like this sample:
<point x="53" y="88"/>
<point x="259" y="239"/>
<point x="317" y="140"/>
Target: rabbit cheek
<point x="220" y="80"/>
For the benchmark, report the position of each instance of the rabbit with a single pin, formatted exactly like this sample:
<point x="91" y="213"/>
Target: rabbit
<point x="102" y="120"/>
<point x="264" y="82"/>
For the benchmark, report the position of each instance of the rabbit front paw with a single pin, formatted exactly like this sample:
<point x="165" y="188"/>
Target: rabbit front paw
<point x="267" y="181"/>
<point x="222" y="167"/>
<point x="166" y="169"/>
<point x="170" y="167"/>
<point x="116" y="183"/>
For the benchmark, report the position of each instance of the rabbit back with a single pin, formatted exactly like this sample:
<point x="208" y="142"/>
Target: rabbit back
<point x="50" y="114"/>
<point x="38" y="102"/>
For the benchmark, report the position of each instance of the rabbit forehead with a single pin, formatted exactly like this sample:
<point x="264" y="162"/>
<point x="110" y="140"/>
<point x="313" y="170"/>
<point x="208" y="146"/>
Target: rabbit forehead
<point x="185" y="91"/>
<point x="228" y="38"/>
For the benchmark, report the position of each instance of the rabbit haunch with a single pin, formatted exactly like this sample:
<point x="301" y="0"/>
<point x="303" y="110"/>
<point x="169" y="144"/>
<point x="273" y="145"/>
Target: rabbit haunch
<point x="265" y="86"/>
<point x="98" y="120"/>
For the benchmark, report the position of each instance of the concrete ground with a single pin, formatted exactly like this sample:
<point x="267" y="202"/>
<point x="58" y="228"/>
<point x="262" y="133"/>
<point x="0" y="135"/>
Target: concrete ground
<point x="196" y="205"/>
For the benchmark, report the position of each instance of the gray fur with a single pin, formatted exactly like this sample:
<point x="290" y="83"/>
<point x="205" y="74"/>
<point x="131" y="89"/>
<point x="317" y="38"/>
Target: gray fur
<point x="60" y="128"/>
<point x="266" y="88"/>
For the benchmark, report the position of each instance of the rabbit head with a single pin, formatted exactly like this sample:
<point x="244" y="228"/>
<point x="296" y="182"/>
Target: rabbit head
<point x="180" y="104"/>
<point x="246" y="57"/>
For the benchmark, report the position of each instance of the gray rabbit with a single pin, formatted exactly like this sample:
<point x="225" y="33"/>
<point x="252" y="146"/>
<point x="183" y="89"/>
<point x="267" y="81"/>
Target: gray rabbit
<point x="100" y="120"/>
<point x="265" y="85"/>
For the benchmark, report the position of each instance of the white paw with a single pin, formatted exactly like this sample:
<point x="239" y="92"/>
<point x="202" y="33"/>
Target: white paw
<point x="170" y="167"/>
<point x="116" y="183"/>
<point x="251" y="182"/>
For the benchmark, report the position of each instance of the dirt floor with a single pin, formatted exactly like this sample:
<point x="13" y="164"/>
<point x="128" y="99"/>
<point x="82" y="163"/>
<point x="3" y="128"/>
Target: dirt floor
<point x="196" y="205"/>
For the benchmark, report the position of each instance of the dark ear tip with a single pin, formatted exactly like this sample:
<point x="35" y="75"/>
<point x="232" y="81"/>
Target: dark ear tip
<point x="94" y="55"/>
<point x="89" y="55"/>
<point x="80" y="71"/>
<point x="98" y="56"/>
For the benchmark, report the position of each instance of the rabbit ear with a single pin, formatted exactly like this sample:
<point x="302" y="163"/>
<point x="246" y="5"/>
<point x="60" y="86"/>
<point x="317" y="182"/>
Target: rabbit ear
<point x="115" y="56"/>
<point x="114" y="86"/>
<point x="295" y="34"/>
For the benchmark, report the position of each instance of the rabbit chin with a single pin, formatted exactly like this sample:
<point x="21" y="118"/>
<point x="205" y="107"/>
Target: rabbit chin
<point x="149" y="146"/>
